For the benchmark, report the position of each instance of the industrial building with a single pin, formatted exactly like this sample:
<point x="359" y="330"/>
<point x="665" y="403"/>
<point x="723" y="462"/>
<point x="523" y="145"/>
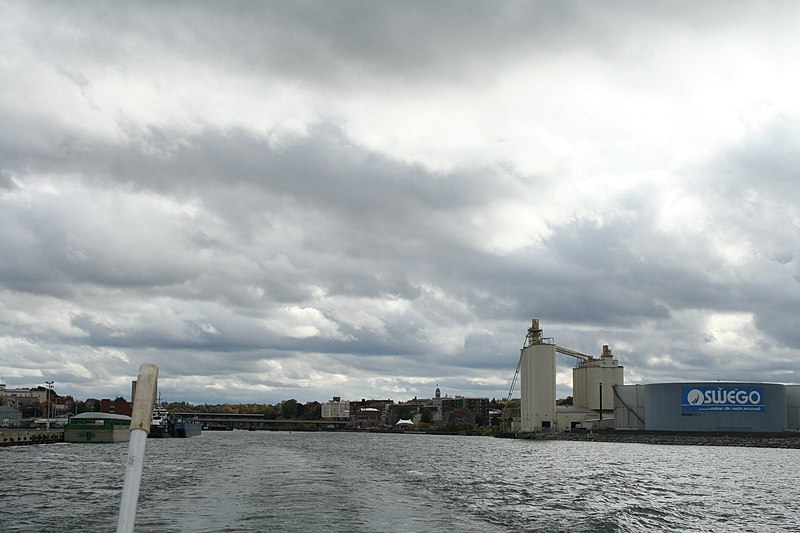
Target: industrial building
<point x="594" y="379"/>
<point x="708" y="406"/>
<point x="602" y="400"/>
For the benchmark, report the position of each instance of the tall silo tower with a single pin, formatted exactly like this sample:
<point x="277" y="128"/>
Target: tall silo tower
<point x="538" y="382"/>
<point x="593" y="382"/>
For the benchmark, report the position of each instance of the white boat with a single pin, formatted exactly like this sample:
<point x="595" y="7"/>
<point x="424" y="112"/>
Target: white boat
<point x="160" y="425"/>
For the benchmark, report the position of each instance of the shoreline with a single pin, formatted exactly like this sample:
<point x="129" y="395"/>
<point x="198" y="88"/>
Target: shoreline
<point x="789" y="440"/>
<point x="785" y="440"/>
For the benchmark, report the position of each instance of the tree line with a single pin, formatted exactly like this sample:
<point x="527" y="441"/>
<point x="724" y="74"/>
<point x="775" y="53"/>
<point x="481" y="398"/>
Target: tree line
<point x="286" y="410"/>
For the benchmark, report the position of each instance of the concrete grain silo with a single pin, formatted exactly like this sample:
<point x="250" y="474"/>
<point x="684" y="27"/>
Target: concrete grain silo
<point x="537" y="382"/>
<point x="593" y="382"/>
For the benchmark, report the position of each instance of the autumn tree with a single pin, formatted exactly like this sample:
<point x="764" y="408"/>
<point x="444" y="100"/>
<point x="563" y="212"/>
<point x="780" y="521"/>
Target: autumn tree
<point x="312" y="411"/>
<point x="288" y="409"/>
<point x="270" y="412"/>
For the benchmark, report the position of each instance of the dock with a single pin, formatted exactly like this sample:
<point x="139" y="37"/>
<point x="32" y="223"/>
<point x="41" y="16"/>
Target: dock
<point x="22" y="437"/>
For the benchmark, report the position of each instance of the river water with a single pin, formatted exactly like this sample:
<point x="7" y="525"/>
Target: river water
<point x="365" y="482"/>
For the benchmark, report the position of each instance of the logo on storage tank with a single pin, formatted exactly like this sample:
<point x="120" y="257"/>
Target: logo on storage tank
<point x="722" y="398"/>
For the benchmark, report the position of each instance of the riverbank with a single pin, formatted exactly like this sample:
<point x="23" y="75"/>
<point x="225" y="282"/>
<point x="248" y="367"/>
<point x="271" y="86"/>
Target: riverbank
<point x="756" y="440"/>
<point x="21" y="437"/>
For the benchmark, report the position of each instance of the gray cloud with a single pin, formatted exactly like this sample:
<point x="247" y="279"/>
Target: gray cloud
<point x="199" y="186"/>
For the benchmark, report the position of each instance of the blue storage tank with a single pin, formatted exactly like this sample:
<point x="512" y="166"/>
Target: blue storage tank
<point x="715" y="406"/>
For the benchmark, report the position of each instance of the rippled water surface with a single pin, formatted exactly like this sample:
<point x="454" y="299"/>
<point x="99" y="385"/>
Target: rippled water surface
<point x="363" y="482"/>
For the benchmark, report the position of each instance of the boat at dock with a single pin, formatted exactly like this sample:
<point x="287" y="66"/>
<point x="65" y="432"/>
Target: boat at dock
<point x="160" y="424"/>
<point x="98" y="427"/>
<point x="183" y="428"/>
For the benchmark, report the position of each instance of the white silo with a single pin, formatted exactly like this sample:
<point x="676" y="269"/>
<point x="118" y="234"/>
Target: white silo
<point x="593" y="382"/>
<point x="537" y="382"/>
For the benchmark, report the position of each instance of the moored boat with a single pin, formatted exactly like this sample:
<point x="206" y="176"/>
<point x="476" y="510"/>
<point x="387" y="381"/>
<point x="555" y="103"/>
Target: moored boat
<point x="98" y="427"/>
<point x="159" y="425"/>
<point x="186" y="428"/>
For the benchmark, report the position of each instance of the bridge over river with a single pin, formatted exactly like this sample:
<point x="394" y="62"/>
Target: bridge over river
<point x="229" y="421"/>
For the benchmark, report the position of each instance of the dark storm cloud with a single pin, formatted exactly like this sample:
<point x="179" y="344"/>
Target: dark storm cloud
<point x="348" y="204"/>
<point x="411" y="42"/>
<point x="303" y="39"/>
<point x="6" y="181"/>
<point x="363" y="219"/>
<point x="194" y="184"/>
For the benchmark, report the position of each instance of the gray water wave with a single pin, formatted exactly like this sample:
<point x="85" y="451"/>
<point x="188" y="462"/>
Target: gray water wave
<point x="364" y="482"/>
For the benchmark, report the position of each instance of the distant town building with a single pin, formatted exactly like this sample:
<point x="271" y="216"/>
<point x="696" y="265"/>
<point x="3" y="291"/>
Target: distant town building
<point x="407" y="410"/>
<point x="34" y="401"/>
<point x="118" y="407"/>
<point x="367" y="418"/>
<point x="336" y="409"/>
<point x="469" y="410"/>
<point x="494" y="417"/>
<point x="440" y="411"/>
<point x="10" y="416"/>
<point x="369" y="414"/>
<point x="42" y="394"/>
<point x="14" y="393"/>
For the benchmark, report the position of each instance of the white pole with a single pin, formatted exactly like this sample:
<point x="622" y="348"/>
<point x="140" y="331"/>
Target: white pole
<point x="140" y="427"/>
<point x="49" y="387"/>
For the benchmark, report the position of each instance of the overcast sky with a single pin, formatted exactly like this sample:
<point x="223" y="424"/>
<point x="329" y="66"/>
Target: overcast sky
<point x="276" y="200"/>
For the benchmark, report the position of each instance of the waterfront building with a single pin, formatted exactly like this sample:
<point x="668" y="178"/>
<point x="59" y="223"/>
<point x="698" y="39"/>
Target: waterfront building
<point x="119" y="407"/>
<point x="368" y="414"/>
<point x="367" y="418"/>
<point x="98" y="427"/>
<point x="14" y="393"/>
<point x="10" y="416"/>
<point x="460" y="416"/>
<point x="494" y="418"/>
<point x="441" y="411"/>
<point x="709" y="406"/>
<point x="31" y="401"/>
<point x="335" y="409"/>
<point x="460" y="408"/>
<point x="409" y="410"/>
<point x="603" y="401"/>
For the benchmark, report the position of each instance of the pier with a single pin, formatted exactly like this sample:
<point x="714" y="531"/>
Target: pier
<point x="22" y="437"/>
<point x="230" y="421"/>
